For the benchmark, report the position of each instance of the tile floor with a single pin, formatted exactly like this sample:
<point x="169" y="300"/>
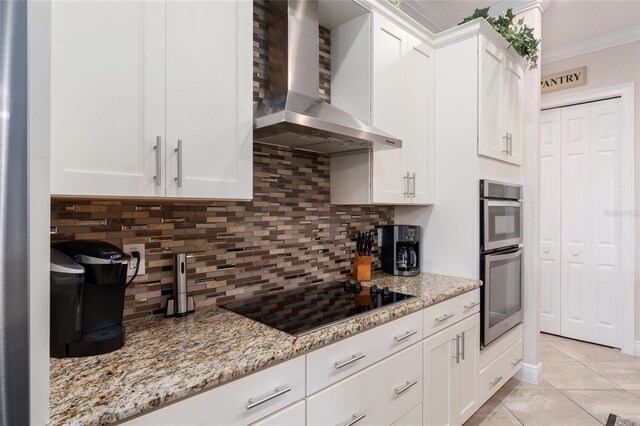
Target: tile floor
<point x="582" y="384"/>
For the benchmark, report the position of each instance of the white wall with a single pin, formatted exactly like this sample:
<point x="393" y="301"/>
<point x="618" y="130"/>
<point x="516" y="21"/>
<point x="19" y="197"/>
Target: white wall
<point x="610" y="67"/>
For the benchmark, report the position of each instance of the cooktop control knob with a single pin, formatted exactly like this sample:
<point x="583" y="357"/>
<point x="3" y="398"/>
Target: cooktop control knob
<point x="386" y="293"/>
<point x="352" y="286"/>
<point x="374" y="290"/>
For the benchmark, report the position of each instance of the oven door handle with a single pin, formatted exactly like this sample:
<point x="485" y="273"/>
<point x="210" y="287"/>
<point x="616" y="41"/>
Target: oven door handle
<point x="503" y="203"/>
<point x="503" y="256"/>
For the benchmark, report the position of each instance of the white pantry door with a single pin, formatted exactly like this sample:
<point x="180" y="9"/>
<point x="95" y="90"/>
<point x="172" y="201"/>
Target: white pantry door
<point x="580" y="172"/>
<point x="549" y="266"/>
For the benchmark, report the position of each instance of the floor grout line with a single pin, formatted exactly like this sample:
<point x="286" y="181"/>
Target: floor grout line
<point x="512" y="413"/>
<point x="609" y="380"/>
<point x="578" y="404"/>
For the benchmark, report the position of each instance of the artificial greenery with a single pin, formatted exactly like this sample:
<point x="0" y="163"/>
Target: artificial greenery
<point x="518" y="35"/>
<point x="396" y="3"/>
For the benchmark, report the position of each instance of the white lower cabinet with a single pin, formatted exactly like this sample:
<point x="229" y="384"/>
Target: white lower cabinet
<point x="290" y="416"/>
<point x="402" y="380"/>
<point x="335" y="362"/>
<point x="451" y="359"/>
<point x="412" y="418"/>
<point x="378" y="395"/>
<point x="242" y="402"/>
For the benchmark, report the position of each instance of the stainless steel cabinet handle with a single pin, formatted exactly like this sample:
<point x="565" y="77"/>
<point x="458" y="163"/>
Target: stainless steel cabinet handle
<point x="495" y="381"/>
<point x="406" y="335"/>
<point x="406" y="387"/>
<point x="406" y="185"/>
<point x="179" y="156"/>
<point x="510" y="143"/>
<point x="471" y="305"/>
<point x="354" y="358"/>
<point x="462" y="338"/>
<point x="506" y="143"/>
<point x="457" y="357"/>
<point x="279" y="391"/>
<point x="516" y="362"/>
<point x="158" y="150"/>
<point x="413" y="191"/>
<point x="355" y="419"/>
<point x="444" y="317"/>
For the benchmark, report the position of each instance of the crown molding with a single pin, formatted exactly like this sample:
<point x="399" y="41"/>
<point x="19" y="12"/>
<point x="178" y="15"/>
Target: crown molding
<point x="541" y="5"/>
<point x="430" y="13"/>
<point x="591" y="45"/>
<point x="519" y="6"/>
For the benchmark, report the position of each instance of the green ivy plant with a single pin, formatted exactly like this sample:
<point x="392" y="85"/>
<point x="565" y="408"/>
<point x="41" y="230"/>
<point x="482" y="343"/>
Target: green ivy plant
<point x="396" y="3"/>
<point x="519" y="36"/>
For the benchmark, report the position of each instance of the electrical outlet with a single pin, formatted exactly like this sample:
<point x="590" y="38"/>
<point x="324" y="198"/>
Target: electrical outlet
<point x="128" y="248"/>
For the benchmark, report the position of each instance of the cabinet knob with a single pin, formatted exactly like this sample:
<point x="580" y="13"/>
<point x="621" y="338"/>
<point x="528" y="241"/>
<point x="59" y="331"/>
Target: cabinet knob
<point x="575" y="253"/>
<point x="546" y="250"/>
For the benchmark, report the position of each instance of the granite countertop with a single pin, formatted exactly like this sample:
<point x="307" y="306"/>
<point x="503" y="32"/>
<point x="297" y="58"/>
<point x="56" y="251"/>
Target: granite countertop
<point x="167" y="359"/>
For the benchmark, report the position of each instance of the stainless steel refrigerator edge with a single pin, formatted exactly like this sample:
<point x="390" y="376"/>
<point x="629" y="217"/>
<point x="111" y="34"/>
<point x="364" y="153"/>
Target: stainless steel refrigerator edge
<point x="14" y="295"/>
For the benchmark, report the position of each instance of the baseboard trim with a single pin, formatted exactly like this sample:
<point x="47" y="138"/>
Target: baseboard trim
<point x="530" y="373"/>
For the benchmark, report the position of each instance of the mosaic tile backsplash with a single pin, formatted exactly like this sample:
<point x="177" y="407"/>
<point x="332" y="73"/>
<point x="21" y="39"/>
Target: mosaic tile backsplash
<point x="288" y="236"/>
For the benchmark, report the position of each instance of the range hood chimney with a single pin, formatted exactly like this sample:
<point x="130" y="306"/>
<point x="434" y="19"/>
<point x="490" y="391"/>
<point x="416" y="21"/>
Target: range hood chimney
<point x="292" y="113"/>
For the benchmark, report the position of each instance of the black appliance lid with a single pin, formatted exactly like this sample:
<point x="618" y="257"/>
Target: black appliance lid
<point x="92" y="251"/>
<point x="314" y="306"/>
<point x="63" y="264"/>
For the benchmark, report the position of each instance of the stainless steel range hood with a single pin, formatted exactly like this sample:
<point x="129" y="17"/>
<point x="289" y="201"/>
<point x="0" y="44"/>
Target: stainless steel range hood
<point x="292" y="113"/>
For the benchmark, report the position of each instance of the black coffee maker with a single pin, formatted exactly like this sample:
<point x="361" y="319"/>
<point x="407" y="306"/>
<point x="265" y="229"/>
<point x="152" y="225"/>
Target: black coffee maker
<point x="401" y="250"/>
<point x="88" y="280"/>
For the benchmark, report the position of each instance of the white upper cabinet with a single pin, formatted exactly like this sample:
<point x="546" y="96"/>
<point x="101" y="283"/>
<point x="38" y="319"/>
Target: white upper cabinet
<point x="107" y="97"/>
<point x="130" y="79"/>
<point x="500" y="117"/>
<point x="209" y="99"/>
<point x="401" y="103"/>
<point x="389" y="183"/>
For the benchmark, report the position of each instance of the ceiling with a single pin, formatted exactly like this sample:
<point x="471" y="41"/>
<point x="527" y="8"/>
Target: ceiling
<point x="564" y="21"/>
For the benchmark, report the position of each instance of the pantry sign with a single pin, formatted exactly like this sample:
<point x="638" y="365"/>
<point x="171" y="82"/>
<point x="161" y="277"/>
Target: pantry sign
<point x="564" y="80"/>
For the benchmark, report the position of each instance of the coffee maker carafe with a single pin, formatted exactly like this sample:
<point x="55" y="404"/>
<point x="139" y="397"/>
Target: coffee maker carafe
<point x="401" y="250"/>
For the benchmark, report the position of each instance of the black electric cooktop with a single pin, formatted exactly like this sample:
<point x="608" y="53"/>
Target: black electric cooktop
<point x="308" y="308"/>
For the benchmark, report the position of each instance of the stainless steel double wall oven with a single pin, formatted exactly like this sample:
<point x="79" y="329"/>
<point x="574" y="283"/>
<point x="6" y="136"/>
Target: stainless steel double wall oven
<point x="500" y="258"/>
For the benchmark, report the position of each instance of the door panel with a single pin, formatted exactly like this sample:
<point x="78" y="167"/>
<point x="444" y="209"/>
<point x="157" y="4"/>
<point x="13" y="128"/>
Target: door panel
<point x="491" y="141"/>
<point x="549" y="266"/>
<point x="209" y="100"/>
<point x="390" y="40"/>
<point x="606" y="305"/>
<point x="591" y="295"/>
<point x="438" y="369"/>
<point x="575" y="222"/>
<point x="466" y="373"/>
<point x="107" y="97"/>
<point x="416" y="143"/>
<point x="512" y="114"/>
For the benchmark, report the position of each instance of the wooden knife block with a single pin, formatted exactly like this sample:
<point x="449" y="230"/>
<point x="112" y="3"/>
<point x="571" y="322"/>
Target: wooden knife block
<point x="362" y="268"/>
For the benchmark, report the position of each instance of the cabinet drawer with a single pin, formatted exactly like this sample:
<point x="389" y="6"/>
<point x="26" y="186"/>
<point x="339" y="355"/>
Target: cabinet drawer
<point x="379" y="395"/>
<point x="496" y="374"/>
<point x="231" y="404"/>
<point x="500" y="346"/>
<point x="342" y="359"/>
<point x="444" y="314"/>
<point x="412" y="418"/>
<point x="290" y="416"/>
